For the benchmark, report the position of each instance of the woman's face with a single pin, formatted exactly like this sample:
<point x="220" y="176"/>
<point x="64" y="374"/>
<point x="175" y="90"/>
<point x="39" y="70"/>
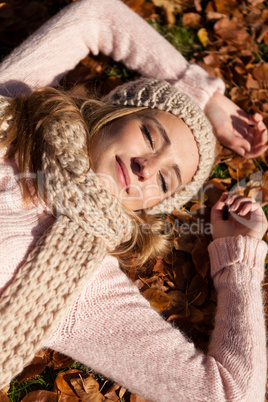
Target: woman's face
<point x="144" y="157"/>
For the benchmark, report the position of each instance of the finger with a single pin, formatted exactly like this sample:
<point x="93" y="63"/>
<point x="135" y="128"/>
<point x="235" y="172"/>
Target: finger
<point x="256" y="117"/>
<point x="240" y="144"/>
<point x="220" y="204"/>
<point x="239" y="202"/>
<point x="258" y="135"/>
<point x="255" y="152"/>
<point x="248" y="207"/>
<point x="232" y="198"/>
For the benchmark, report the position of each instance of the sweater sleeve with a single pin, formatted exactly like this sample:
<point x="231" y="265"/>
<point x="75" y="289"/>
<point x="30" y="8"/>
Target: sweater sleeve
<point x="112" y="329"/>
<point x="106" y="26"/>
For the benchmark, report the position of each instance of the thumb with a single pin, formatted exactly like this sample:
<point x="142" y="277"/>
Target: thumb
<point x="218" y="208"/>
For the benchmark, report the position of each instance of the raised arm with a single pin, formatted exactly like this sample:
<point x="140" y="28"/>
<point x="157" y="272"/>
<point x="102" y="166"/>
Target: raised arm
<point x="109" y="27"/>
<point x="112" y="329"/>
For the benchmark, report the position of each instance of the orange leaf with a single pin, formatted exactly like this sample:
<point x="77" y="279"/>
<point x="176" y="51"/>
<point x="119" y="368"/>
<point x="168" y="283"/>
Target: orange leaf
<point x="112" y="393"/>
<point x="62" y="381"/>
<point x="37" y="366"/>
<point x="261" y="72"/>
<point x="251" y="83"/>
<point x="87" y="389"/>
<point x="191" y="19"/>
<point x="159" y="300"/>
<point x="137" y="398"/>
<point x="233" y="32"/>
<point x="68" y="398"/>
<point x="225" y="6"/>
<point x="3" y="397"/>
<point x="40" y="396"/>
<point x="61" y="361"/>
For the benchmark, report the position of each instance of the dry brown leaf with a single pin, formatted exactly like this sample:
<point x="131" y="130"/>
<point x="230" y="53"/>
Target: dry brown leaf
<point x="68" y="398"/>
<point x="112" y="393"/>
<point x="87" y="389"/>
<point x="179" y="305"/>
<point x="225" y="6"/>
<point x="3" y="397"/>
<point x="213" y="191"/>
<point x="144" y="8"/>
<point x="37" y="366"/>
<point x="6" y="10"/>
<point x="265" y="187"/>
<point x="240" y="168"/>
<point x="178" y="273"/>
<point x="196" y="316"/>
<point x="60" y="361"/>
<point x="137" y="398"/>
<point x="40" y="396"/>
<point x="198" y="291"/>
<point x="261" y="73"/>
<point x="212" y="60"/>
<point x="122" y="392"/>
<point x="174" y="6"/>
<point x="159" y="300"/>
<point x="214" y="16"/>
<point x="201" y="259"/>
<point x="63" y="381"/>
<point x="160" y="267"/>
<point x="233" y="32"/>
<point x="251" y="83"/>
<point x="191" y="19"/>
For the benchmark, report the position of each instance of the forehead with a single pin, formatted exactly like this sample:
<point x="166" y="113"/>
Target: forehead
<point x="174" y="125"/>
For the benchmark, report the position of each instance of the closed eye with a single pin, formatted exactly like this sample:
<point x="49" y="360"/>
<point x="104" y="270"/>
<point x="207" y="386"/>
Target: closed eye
<point x="163" y="183"/>
<point x="148" y="136"/>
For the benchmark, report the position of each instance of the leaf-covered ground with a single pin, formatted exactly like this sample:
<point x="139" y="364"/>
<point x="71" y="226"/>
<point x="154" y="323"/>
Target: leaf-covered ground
<point x="229" y="39"/>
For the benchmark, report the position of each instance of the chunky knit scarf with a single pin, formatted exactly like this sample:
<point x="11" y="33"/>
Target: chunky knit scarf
<point x="89" y="222"/>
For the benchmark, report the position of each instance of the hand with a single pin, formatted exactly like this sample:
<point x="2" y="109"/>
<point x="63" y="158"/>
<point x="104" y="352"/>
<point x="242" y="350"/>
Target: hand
<point x="245" y="217"/>
<point x="244" y="134"/>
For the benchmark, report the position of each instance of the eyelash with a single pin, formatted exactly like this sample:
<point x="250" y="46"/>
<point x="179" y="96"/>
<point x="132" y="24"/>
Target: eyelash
<point x="148" y="136"/>
<point x="150" y="140"/>
<point x="163" y="183"/>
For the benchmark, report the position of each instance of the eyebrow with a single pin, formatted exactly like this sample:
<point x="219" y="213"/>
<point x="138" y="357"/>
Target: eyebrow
<point x="167" y="141"/>
<point x="178" y="173"/>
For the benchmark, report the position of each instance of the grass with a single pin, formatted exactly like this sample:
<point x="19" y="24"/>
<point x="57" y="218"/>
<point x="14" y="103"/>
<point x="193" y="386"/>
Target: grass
<point x="220" y="171"/>
<point x="183" y="38"/>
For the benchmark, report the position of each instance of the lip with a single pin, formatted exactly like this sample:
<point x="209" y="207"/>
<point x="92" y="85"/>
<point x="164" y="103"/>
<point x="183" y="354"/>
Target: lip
<point x="122" y="174"/>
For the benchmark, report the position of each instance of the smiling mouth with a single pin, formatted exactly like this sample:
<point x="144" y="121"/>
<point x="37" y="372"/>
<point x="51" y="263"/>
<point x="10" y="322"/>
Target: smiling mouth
<point x="122" y="174"/>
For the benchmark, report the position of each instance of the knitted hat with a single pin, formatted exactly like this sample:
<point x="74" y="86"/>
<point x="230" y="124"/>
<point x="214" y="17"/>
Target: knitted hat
<point x="161" y="95"/>
<point x="89" y="222"/>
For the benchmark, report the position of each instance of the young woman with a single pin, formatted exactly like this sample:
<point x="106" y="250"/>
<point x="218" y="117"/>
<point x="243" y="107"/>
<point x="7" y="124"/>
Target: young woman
<point x="145" y="158"/>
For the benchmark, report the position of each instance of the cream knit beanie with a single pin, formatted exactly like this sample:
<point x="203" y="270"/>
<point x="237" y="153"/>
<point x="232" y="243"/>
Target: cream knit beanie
<point x="161" y="95"/>
<point x="89" y="222"/>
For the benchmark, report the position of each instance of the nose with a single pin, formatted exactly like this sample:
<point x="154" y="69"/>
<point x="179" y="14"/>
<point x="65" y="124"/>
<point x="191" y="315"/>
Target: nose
<point x="144" y="168"/>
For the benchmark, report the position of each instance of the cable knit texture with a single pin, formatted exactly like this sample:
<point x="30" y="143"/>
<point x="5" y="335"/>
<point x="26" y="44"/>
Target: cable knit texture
<point x="67" y="253"/>
<point x="110" y="327"/>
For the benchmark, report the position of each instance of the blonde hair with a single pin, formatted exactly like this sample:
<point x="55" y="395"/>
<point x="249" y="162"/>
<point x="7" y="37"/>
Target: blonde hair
<point x="31" y="115"/>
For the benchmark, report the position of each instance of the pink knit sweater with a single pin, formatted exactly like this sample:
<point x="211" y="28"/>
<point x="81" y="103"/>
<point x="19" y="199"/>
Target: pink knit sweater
<point x="111" y="327"/>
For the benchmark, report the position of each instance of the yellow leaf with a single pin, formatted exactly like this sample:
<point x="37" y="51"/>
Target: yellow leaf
<point x="203" y="36"/>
